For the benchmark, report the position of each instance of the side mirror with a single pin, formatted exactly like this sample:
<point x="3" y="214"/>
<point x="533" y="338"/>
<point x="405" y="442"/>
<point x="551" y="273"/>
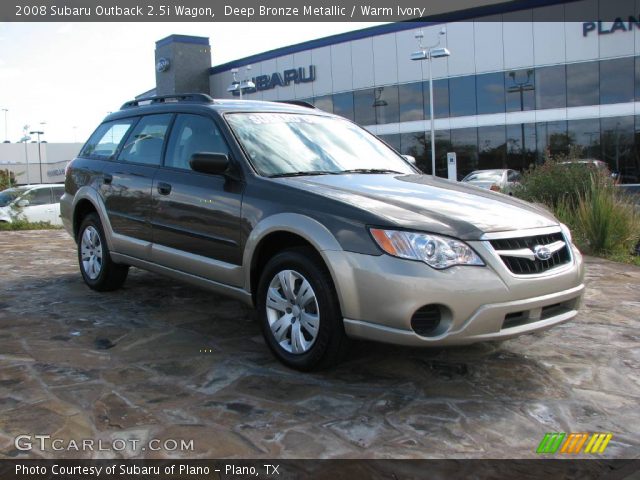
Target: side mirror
<point x="23" y="203"/>
<point x="206" y="162"/>
<point x="410" y="158"/>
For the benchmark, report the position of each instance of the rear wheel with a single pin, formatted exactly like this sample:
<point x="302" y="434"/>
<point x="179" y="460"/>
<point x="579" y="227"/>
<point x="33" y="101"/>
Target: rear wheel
<point x="98" y="270"/>
<point x="299" y="311"/>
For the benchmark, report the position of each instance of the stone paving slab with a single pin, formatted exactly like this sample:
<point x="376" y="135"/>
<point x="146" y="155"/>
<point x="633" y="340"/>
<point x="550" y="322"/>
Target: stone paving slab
<point x="163" y="360"/>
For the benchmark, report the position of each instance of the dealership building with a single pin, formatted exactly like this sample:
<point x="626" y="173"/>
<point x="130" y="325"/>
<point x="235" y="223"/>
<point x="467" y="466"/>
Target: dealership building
<point x="515" y="88"/>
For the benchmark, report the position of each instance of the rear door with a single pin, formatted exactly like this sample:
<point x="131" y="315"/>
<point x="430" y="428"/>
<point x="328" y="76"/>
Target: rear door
<point x="128" y="182"/>
<point x="196" y="213"/>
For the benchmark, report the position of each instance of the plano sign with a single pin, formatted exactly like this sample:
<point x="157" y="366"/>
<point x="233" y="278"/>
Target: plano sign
<point x="284" y="79"/>
<point x="606" y="28"/>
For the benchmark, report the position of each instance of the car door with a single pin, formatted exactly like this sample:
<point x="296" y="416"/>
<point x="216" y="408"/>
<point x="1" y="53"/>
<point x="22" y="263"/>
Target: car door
<point x="128" y="181"/>
<point x="39" y="208"/>
<point x="196" y="216"/>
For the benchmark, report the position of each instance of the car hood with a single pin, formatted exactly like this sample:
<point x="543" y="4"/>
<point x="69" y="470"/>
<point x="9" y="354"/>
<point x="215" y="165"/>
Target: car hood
<point x="429" y="204"/>
<point x="481" y="184"/>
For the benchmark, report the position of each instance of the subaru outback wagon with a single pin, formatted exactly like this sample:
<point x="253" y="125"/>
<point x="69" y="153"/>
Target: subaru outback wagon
<point x="318" y="224"/>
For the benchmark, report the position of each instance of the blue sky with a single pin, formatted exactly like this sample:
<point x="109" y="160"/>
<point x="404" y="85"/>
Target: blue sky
<point x="71" y="74"/>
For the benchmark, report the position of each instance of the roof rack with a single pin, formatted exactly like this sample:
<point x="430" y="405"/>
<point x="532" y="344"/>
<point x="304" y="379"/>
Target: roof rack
<point x="300" y="103"/>
<point x="175" y="98"/>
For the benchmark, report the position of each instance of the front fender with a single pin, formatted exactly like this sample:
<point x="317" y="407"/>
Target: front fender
<point x="311" y="230"/>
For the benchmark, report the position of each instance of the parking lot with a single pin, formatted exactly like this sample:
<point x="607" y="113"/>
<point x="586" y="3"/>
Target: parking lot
<point x="164" y="360"/>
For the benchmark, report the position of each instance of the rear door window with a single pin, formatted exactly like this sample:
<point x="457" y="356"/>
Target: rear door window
<point x="107" y="138"/>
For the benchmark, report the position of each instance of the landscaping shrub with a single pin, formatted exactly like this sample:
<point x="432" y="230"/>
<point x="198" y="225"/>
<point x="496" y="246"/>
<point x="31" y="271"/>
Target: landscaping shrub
<point x="20" y="224"/>
<point x="602" y="220"/>
<point x="553" y="182"/>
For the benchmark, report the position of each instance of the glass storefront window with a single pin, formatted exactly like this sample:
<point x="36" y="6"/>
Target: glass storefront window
<point x="584" y="136"/>
<point x="411" y="102"/>
<point x="582" y="84"/>
<point x="490" y="91"/>
<point x="414" y="144"/>
<point x="324" y="103"/>
<point x="618" y="148"/>
<point x="552" y="139"/>
<point x="617" y="80"/>
<point x="443" y="145"/>
<point x="462" y="96"/>
<point x="464" y="141"/>
<point x="440" y="98"/>
<point x="637" y="64"/>
<point x="492" y="147"/>
<point x="520" y="90"/>
<point x="343" y="105"/>
<point x="551" y="87"/>
<point x="521" y="145"/>
<point x="386" y="105"/>
<point x="364" y="112"/>
<point x="392" y="139"/>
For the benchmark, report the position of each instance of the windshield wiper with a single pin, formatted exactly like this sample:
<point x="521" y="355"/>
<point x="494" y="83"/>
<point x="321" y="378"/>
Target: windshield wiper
<point x="370" y="170"/>
<point x="303" y="173"/>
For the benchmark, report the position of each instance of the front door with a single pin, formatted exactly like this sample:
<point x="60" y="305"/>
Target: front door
<point x="196" y="216"/>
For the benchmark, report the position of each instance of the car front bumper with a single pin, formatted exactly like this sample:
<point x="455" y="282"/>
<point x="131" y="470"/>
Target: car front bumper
<point x="380" y="294"/>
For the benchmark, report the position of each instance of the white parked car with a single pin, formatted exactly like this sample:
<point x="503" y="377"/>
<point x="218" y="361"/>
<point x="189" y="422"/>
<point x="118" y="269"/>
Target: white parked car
<point x="498" y="180"/>
<point x="34" y="203"/>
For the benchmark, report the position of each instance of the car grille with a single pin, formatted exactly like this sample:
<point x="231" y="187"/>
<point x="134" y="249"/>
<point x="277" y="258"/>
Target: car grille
<point x="518" y="253"/>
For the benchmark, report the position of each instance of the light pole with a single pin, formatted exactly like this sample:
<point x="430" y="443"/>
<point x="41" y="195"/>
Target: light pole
<point x="38" y="133"/>
<point x="521" y="87"/>
<point x="6" y="136"/>
<point x="239" y="85"/>
<point x="427" y="53"/>
<point x="25" y="138"/>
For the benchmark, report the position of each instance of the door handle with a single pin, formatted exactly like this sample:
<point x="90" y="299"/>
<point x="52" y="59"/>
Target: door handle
<point x="107" y="178"/>
<point x="164" y="188"/>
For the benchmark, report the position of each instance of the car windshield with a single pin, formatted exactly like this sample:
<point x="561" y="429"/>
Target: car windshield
<point x="284" y="144"/>
<point x="9" y="195"/>
<point x="486" y="176"/>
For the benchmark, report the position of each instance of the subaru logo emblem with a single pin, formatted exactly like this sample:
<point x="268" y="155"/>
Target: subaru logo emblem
<point x="541" y="252"/>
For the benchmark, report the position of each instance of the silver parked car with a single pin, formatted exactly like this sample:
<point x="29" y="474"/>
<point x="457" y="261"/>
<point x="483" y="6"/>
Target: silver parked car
<point x="33" y="203"/>
<point x="499" y="180"/>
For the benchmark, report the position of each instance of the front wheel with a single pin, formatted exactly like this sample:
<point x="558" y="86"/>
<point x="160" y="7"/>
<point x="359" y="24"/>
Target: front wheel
<point x="98" y="270"/>
<point x="299" y="311"/>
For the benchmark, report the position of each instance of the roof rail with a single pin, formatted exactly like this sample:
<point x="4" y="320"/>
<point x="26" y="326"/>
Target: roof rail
<point x="177" y="97"/>
<point x="299" y="103"/>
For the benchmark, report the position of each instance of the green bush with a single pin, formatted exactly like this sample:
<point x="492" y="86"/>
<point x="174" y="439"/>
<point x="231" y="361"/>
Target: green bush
<point x="605" y="221"/>
<point x="20" y="224"/>
<point x="553" y="182"/>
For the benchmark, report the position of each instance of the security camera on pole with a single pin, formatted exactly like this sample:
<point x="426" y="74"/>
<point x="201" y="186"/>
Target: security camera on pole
<point x="427" y="53"/>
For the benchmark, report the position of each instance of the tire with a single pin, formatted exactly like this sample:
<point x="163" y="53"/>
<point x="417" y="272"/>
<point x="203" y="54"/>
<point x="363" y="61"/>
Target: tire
<point x="287" y="320"/>
<point x="99" y="272"/>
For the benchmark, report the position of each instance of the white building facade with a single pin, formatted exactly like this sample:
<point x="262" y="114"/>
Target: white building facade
<point x="513" y="90"/>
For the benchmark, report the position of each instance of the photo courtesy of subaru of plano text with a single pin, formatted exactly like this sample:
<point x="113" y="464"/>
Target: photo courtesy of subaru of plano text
<point x="327" y="231"/>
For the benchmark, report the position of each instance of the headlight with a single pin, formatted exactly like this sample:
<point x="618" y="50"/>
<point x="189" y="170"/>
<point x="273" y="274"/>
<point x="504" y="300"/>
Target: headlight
<point x="566" y="232"/>
<point x="434" y="250"/>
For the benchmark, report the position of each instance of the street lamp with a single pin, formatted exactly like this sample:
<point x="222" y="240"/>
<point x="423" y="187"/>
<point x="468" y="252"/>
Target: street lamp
<point x="6" y="136"/>
<point x="238" y="86"/>
<point x="38" y="133"/>
<point x="25" y="138"/>
<point x="427" y="53"/>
